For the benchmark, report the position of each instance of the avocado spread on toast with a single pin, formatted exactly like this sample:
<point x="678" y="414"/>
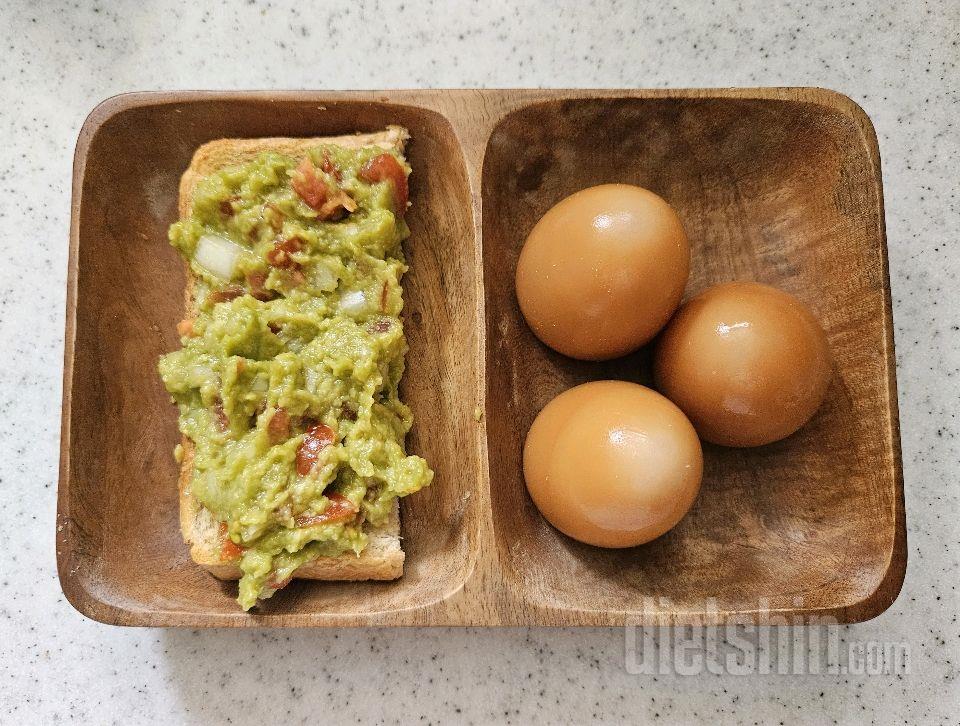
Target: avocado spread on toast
<point x="287" y="378"/>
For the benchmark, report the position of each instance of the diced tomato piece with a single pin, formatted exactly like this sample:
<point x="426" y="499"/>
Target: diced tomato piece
<point x="295" y="278"/>
<point x="223" y="423"/>
<point x="343" y="201"/>
<point x="317" y="194"/>
<point x="226" y="206"/>
<point x="276" y="216"/>
<point x="278" y="430"/>
<point x="385" y="167"/>
<point x="230" y="550"/>
<point x="225" y="295"/>
<point x="256" y="282"/>
<point x="279" y="256"/>
<point x="329" y="167"/>
<point x="273" y="583"/>
<point x="340" y="509"/>
<point x="308" y="186"/>
<point x="318" y="437"/>
<point x="279" y="427"/>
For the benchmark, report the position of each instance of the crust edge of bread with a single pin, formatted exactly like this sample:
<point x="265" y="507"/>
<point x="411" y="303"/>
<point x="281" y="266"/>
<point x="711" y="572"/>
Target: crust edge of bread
<point x="383" y="557"/>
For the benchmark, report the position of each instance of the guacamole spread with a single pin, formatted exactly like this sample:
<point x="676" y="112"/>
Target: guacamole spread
<point x="287" y="379"/>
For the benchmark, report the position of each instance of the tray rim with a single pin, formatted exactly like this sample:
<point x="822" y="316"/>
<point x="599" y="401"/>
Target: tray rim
<point x="89" y="605"/>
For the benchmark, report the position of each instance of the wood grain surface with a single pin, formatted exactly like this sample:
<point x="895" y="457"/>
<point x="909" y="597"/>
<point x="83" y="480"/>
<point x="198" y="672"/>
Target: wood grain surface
<point x="777" y="185"/>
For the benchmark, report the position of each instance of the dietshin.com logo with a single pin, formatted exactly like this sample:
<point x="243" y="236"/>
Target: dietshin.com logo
<point x="819" y="646"/>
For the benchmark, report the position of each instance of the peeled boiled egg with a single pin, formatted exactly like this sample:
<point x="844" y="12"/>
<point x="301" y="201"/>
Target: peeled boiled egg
<point x="612" y="464"/>
<point x="602" y="271"/>
<point x="748" y="363"/>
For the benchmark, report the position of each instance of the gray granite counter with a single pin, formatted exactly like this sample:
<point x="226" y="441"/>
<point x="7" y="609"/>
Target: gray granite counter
<point x="898" y="60"/>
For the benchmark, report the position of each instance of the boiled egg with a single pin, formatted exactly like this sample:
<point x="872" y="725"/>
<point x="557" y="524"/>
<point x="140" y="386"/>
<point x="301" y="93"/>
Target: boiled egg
<point x="602" y="271"/>
<point x="749" y="364"/>
<point x="612" y="464"/>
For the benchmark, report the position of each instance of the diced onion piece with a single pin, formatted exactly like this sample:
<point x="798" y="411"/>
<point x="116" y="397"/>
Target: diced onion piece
<point x="323" y="278"/>
<point x="353" y="303"/>
<point x="199" y="375"/>
<point x="218" y="255"/>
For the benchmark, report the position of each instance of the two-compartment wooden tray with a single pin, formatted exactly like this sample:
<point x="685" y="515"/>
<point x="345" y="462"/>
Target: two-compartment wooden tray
<point x="777" y="185"/>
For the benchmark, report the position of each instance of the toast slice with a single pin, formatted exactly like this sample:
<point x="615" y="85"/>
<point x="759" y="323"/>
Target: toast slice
<point x="382" y="558"/>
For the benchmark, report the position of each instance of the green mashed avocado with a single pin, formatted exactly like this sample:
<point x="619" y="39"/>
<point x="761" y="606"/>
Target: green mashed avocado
<point x="287" y="379"/>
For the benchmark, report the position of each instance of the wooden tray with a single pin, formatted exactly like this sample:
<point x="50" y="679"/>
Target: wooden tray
<point x="777" y="185"/>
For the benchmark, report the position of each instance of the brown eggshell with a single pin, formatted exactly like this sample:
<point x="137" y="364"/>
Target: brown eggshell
<point x="748" y="363"/>
<point x="612" y="464"/>
<point x="602" y="271"/>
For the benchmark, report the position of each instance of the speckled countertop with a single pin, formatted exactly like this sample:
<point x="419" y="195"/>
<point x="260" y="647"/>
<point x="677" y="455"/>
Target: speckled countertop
<point x="61" y="58"/>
